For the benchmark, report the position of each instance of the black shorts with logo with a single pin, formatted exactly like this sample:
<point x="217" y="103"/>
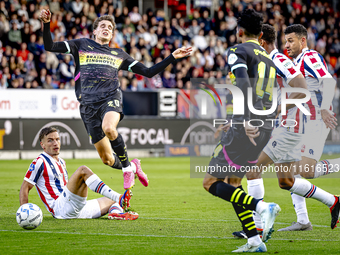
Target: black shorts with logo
<point x="234" y="154"/>
<point x="92" y="115"/>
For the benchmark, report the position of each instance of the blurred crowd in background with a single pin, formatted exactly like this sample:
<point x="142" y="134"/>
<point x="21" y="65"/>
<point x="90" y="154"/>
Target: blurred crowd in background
<point x="150" y="37"/>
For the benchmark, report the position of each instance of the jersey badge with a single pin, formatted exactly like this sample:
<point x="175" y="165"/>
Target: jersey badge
<point x="114" y="53"/>
<point x="32" y="166"/>
<point x="232" y="59"/>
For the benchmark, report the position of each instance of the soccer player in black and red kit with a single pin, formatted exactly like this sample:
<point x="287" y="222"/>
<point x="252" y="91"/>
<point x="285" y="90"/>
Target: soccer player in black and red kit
<point x="97" y="89"/>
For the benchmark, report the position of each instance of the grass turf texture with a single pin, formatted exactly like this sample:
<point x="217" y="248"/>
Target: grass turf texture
<point x="177" y="216"/>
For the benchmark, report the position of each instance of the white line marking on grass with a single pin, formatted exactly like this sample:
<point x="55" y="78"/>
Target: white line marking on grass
<point x="156" y="218"/>
<point x="156" y="236"/>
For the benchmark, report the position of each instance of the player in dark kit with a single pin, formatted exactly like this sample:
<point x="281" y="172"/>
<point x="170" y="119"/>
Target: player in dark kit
<point x="241" y="145"/>
<point x="97" y="89"/>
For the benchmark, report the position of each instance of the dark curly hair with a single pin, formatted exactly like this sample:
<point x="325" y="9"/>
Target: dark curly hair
<point x="251" y="21"/>
<point x="298" y="29"/>
<point x="269" y="33"/>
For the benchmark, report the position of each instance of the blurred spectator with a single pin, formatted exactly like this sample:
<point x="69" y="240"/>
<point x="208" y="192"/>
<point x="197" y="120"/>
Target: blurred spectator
<point x="35" y="22"/>
<point x="168" y="80"/>
<point x="54" y="6"/>
<point x="77" y="6"/>
<point x="3" y="82"/>
<point x="29" y="63"/>
<point x="52" y="62"/>
<point x="14" y="36"/>
<point x="135" y="17"/>
<point x="49" y="83"/>
<point x="66" y="70"/>
<point x="23" y="52"/>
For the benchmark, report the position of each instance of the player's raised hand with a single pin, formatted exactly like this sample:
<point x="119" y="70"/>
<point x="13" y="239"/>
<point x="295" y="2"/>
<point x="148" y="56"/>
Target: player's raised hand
<point x="45" y="15"/>
<point x="329" y="118"/>
<point x="252" y="132"/>
<point x="182" y="52"/>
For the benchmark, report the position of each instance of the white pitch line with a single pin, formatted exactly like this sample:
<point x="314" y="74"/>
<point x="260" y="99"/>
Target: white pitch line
<point x="156" y="218"/>
<point x="210" y="220"/>
<point x="157" y="236"/>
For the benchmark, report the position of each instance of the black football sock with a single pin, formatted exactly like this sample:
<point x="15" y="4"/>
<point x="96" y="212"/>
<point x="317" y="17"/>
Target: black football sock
<point x="246" y="219"/>
<point x="233" y="195"/>
<point x="117" y="164"/>
<point x="119" y="148"/>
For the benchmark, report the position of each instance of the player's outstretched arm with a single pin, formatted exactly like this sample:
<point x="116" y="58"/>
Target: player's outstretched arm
<point x="24" y="191"/>
<point x="45" y="16"/>
<point x="141" y="69"/>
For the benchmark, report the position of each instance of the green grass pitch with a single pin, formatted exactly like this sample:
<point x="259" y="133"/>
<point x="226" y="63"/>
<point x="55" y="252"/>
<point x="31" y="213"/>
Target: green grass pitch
<point x="177" y="216"/>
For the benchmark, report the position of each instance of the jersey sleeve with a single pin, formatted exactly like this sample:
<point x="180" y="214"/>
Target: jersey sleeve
<point x="34" y="171"/>
<point x="315" y="66"/>
<point x="68" y="47"/>
<point x="128" y="62"/>
<point x="236" y="59"/>
<point x="72" y="46"/>
<point x="132" y="65"/>
<point x="285" y="68"/>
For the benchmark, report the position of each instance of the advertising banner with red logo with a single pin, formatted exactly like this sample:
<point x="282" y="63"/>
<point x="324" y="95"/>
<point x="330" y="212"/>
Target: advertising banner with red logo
<point x="38" y="104"/>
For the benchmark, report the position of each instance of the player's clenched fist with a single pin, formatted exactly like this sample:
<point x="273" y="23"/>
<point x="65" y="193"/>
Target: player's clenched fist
<point x="45" y="16"/>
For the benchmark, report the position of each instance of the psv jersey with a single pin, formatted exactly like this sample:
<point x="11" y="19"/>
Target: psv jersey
<point x="49" y="177"/>
<point x="97" y="67"/>
<point x="262" y="76"/>
<point x="286" y="71"/>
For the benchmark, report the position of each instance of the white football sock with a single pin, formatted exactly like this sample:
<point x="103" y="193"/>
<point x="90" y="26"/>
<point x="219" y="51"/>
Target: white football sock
<point x="304" y="188"/>
<point x="261" y="206"/>
<point x="97" y="185"/>
<point x="130" y="168"/>
<point x="326" y="166"/>
<point x="116" y="208"/>
<point x="254" y="240"/>
<point x="256" y="190"/>
<point x="300" y="207"/>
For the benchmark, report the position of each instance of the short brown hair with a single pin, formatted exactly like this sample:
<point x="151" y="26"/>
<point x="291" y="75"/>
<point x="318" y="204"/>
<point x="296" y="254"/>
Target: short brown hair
<point x="104" y="17"/>
<point x="45" y="131"/>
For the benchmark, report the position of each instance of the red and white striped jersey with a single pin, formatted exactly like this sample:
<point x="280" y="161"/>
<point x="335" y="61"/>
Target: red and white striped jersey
<point x="49" y="177"/>
<point x="313" y="67"/>
<point x="286" y="71"/>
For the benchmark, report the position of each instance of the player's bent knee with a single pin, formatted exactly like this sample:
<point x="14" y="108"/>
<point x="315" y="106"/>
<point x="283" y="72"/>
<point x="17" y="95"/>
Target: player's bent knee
<point x="286" y="183"/>
<point x="84" y="170"/>
<point x="107" y="160"/>
<point x="110" y="132"/>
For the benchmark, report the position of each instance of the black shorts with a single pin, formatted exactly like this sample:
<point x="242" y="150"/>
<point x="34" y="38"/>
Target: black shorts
<point x="234" y="154"/>
<point x="92" y="115"/>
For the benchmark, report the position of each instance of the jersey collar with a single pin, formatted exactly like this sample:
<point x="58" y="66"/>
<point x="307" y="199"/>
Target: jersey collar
<point x="274" y="51"/>
<point x="50" y="157"/>
<point x="253" y="41"/>
<point x="298" y="58"/>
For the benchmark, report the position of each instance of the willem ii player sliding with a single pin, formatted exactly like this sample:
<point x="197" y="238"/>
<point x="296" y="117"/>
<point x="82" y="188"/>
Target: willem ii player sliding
<point x="66" y="199"/>
<point x="97" y="89"/>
